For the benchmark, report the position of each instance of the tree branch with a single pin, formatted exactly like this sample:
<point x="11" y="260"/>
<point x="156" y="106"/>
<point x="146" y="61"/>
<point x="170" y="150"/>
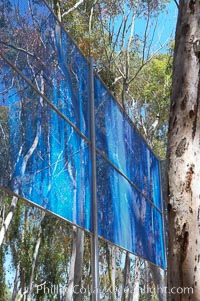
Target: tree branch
<point x="18" y="49"/>
<point x="145" y="37"/>
<point x="73" y="8"/>
<point x="129" y="45"/>
<point x="7" y="89"/>
<point x="145" y="62"/>
<point x="176" y="3"/>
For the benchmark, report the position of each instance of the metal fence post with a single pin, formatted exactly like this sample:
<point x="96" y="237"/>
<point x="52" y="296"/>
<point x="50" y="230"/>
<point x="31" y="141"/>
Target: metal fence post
<point x="95" y="249"/>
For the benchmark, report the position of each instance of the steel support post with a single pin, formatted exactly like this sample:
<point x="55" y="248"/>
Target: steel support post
<point x="95" y="249"/>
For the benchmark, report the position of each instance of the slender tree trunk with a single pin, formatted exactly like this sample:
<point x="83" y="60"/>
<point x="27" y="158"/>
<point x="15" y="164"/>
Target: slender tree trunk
<point x="2" y="207"/>
<point x="113" y="265"/>
<point x="35" y="256"/>
<point x="57" y="9"/>
<point x="70" y="286"/>
<point x="134" y="284"/>
<point x="136" y="290"/>
<point x="79" y="262"/>
<point x="124" y="91"/>
<point x="2" y="274"/>
<point x="148" y="284"/>
<point x="184" y="156"/>
<point x="110" y="256"/>
<point x="159" y="281"/>
<point x="126" y="275"/>
<point x="75" y="273"/>
<point x="8" y="219"/>
<point x="16" y="282"/>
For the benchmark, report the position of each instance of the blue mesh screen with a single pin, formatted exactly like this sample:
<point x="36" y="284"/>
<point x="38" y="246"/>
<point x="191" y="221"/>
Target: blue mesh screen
<point x="45" y="152"/>
<point x="126" y="217"/>
<point x="46" y="55"/>
<point x="124" y="146"/>
<point x="159" y="239"/>
<point x="46" y="161"/>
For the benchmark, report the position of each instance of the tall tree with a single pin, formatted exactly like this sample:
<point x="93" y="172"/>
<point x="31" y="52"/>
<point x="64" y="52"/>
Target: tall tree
<point x="183" y="155"/>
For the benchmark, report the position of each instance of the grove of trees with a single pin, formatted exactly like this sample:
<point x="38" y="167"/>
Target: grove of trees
<point x="38" y="263"/>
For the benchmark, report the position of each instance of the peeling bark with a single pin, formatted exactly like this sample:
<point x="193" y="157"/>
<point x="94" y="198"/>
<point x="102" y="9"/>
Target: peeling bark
<point x="183" y="157"/>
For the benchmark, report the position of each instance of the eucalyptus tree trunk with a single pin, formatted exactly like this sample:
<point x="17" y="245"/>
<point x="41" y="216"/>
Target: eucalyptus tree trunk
<point x="79" y="263"/>
<point x="126" y="275"/>
<point x="35" y="257"/>
<point x="8" y="219"/>
<point x="15" y="287"/>
<point x="184" y="156"/>
<point x="76" y="263"/>
<point x="111" y="260"/>
<point x="134" y="285"/>
<point x="57" y="9"/>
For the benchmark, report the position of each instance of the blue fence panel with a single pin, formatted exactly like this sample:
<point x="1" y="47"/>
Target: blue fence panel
<point x="159" y="239"/>
<point x="126" y="217"/>
<point x="38" y="46"/>
<point x="47" y="161"/>
<point x="124" y="146"/>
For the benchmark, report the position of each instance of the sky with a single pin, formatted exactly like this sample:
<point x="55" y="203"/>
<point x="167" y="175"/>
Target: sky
<point x="165" y="27"/>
